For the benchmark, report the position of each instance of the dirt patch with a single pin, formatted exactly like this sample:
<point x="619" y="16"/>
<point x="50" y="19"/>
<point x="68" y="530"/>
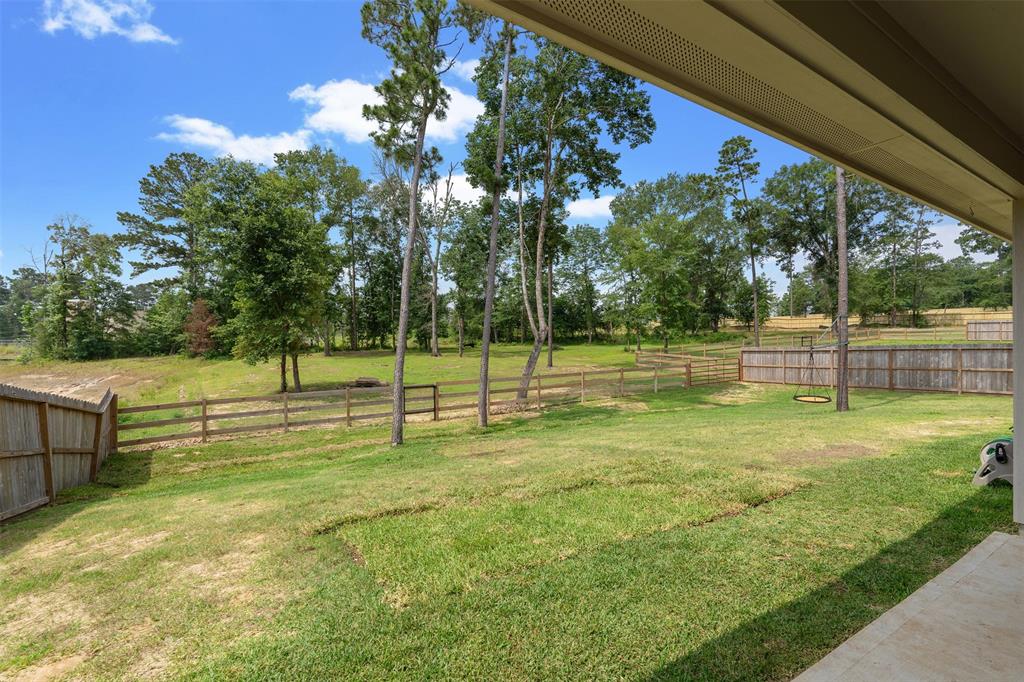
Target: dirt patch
<point x="739" y="394"/>
<point x="32" y="615"/>
<point x="479" y="448"/>
<point x="813" y="455"/>
<point x="220" y="578"/>
<point x="49" y="669"/>
<point x="89" y="387"/>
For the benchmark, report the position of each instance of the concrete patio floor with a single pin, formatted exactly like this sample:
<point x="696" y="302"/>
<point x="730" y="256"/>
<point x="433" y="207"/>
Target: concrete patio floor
<point x="965" y="624"/>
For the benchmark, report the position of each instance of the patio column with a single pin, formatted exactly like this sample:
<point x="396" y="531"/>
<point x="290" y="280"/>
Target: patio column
<point x="1018" y="360"/>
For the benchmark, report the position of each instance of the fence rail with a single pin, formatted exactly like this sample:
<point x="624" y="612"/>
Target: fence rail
<point x="205" y="418"/>
<point x="948" y="368"/>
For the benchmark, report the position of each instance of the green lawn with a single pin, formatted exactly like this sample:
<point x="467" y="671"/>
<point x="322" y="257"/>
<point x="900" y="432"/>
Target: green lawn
<point x="715" y="534"/>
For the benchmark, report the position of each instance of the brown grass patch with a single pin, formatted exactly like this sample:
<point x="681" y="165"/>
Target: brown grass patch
<point x="814" y="455"/>
<point x="49" y="669"/>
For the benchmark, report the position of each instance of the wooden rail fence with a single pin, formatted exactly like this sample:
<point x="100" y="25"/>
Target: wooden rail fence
<point x="948" y="368"/>
<point x="210" y="417"/>
<point x="48" y="443"/>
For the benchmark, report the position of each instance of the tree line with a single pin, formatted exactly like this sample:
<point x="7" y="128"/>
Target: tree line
<point x="264" y="263"/>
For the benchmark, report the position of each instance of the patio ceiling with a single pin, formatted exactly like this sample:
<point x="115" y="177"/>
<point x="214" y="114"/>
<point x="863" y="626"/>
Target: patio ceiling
<point x="924" y="97"/>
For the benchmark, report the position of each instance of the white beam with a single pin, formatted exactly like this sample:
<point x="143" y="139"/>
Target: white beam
<point x="1018" y="361"/>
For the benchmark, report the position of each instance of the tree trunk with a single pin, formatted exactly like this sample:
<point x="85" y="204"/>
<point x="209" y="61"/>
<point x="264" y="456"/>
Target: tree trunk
<point x="295" y="373"/>
<point x="353" y="331"/>
<point x="753" y="280"/>
<point x="528" y="369"/>
<point x="398" y="400"/>
<point x="284" y="372"/>
<point x="551" y="333"/>
<point x="842" y="381"/>
<point x="462" y="327"/>
<point x="892" y="310"/>
<point x="434" y="350"/>
<point x="492" y="250"/>
<point x="328" y="339"/>
<point x="753" y="269"/>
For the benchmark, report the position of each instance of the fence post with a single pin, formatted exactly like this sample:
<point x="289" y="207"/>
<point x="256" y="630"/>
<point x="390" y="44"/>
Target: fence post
<point x="739" y="366"/>
<point x="832" y="368"/>
<point x="44" y="441"/>
<point x="621" y="381"/>
<point x="687" y="379"/>
<point x="285" y="411"/>
<point x="538" y="395"/>
<point x="348" y="406"/>
<point x="437" y="400"/>
<point x="112" y="444"/>
<point x="892" y="384"/>
<point x="655" y="378"/>
<point x="960" y="371"/>
<point x="94" y="463"/>
<point x="204" y="420"/>
<point x="583" y="385"/>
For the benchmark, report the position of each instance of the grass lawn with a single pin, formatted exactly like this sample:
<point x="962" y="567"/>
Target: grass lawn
<point x="726" y="533"/>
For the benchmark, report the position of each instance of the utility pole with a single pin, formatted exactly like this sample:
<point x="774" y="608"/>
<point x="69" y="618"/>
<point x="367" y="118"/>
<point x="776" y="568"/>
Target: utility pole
<point x="842" y="381"/>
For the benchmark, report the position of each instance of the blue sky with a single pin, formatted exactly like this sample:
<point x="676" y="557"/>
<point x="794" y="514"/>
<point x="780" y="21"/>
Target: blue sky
<point x="94" y="91"/>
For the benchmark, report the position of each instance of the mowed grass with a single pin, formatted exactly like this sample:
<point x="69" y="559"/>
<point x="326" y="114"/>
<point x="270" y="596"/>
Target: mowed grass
<point x="716" y="534"/>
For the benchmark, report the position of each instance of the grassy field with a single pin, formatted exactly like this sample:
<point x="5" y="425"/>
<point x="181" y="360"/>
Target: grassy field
<point x="712" y="534"/>
<point x="167" y="379"/>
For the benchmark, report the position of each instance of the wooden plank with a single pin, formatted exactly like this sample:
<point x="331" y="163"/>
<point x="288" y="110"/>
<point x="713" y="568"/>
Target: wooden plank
<point x="21" y="509"/>
<point x="94" y="462"/>
<point x="44" y="439"/>
<point x="133" y="426"/>
<point x="205" y="421"/>
<point x="243" y="429"/>
<point x="160" y="406"/>
<point x="9" y="454"/>
<point x="112" y="445"/>
<point x="159" y="439"/>
<point x="460" y="406"/>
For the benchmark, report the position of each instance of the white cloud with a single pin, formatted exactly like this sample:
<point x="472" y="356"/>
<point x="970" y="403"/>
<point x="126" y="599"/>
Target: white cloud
<point x="338" y="108"/>
<point x="92" y="18"/>
<point x="594" y="207"/>
<point x="461" y="189"/>
<point x="219" y="139"/>
<point x="466" y="69"/>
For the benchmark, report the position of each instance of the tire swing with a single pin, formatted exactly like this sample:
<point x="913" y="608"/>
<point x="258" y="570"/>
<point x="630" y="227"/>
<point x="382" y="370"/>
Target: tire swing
<point x="809" y="390"/>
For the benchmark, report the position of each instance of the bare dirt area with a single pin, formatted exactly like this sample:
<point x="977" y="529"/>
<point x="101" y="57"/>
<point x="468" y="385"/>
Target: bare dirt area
<point x="75" y="383"/>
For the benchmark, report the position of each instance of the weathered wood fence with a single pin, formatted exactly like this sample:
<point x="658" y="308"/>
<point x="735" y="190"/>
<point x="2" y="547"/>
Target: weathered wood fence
<point x="990" y="330"/>
<point x="206" y="418"/>
<point x="49" y="442"/>
<point x="956" y="368"/>
<point x="704" y="371"/>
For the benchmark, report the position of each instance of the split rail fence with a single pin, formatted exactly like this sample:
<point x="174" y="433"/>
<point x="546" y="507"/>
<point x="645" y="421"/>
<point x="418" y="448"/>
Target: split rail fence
<point x="956" y="369"/>
<point x="48" y="443"/>
<point x="211" y="417"/>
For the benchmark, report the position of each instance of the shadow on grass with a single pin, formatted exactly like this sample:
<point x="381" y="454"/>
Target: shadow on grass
<point x="121" y="471"/>
<point x="782" y="643"/>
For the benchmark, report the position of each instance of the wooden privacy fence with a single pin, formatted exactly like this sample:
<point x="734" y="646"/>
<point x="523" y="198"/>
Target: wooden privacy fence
<point x="956" y="369"/>
<point x="205" y="418"/>
<point x="990" y="330"/>
<point x="49" y="442"/>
